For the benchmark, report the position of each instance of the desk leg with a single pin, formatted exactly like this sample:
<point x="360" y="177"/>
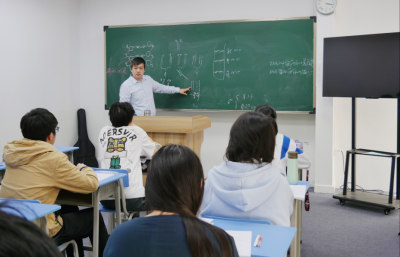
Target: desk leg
<point x="96" y="224"/>
<point x="42" y="224"/>
<point x="70" y="156"/>
<point x="117" y="203"/>
<point x="301" y="221"/>
<point x="294" y="220"/>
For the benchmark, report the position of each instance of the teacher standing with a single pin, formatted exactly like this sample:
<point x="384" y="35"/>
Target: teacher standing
<point x="138" y="89"/>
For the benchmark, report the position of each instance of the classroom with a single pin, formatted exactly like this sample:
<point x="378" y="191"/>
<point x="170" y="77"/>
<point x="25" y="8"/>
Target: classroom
<point x="53" y="57"/>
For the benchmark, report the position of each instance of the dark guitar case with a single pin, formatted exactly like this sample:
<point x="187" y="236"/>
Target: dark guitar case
<point x="86" y="153"/>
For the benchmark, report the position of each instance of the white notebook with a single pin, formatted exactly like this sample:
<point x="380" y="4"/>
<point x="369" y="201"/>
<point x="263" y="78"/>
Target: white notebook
<point x="299" y="191"/>
<point x="242" y="241"/>
<point x="102" y="176"/>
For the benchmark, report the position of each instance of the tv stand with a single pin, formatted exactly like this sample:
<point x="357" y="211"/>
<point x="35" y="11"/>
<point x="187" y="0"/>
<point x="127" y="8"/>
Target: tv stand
<point x="364" y="197"/>
<point x="381" y="201"/>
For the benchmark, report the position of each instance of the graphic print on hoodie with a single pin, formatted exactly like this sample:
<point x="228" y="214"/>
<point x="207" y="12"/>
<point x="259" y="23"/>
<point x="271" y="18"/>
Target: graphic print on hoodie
<point x="120" y="148"/>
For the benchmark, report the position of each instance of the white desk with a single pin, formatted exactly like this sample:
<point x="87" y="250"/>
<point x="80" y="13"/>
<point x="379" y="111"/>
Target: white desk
<point x="107" y="187"/>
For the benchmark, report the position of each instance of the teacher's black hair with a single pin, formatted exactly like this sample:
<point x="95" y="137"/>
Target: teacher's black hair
<point x="21" y="238"/>
<point x="38" y="124"/>
<point x="121" y="114"/>
<point x="269" y="111"/>
<point x="138" y="60"/>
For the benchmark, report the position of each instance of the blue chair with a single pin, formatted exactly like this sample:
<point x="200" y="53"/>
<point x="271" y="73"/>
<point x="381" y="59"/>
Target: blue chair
<point x="123" y="182"/>
<point x="239" y="220"/>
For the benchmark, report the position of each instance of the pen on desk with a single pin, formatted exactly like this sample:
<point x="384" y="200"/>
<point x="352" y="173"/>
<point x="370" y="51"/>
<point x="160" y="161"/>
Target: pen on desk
<point x="256" y="241"/>
<point x="259" y="241"/>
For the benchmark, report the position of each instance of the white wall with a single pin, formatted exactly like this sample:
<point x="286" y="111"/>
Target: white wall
<point x="94" y="14"/>
<point x="324" y="115"/>
<point x="39" y="64"/>
<point x="376" y="120"/>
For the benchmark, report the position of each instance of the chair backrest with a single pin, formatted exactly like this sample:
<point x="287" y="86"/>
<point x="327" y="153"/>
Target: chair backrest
<point x="125" y="179"/>
<point x="239" y="220"/>
<point x="20" y="200"/>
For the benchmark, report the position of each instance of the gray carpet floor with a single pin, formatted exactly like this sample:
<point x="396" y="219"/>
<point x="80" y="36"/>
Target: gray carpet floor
<point x="352" y="230"/>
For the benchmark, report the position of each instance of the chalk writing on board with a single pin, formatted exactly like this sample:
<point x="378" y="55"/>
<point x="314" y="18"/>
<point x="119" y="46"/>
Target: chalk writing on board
<point x="131" y="47"/>
<point x="291" y="63"/>
<point x="219" y="63"/>
<point x="237" y="99"/>
<point x="182" y="61"/>
<point x="137" y="51"/>
<point x="181" y="74"/>
<point x="195" y="89"/>
<point x="197" y="63"/>
<point x="178" y="44"/>
<point x="116" y="70"/>
<point x="165" y="65"/>
<point x="290" y="71"/>
<point x="247" y="107"/>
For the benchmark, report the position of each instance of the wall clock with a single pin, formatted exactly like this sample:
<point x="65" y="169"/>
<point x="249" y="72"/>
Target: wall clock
<point x="326" y="6"/>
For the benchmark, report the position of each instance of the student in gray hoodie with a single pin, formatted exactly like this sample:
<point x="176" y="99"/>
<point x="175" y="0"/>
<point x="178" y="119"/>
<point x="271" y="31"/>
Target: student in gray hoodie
<point x="246" y="186"/>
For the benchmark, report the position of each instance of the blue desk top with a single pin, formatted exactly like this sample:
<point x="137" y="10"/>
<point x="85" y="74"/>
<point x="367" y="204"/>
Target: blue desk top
<point x="2" y="166"/>
<point x="66" y="149"/>
<point x="276" y="240"/>
<point x="113" y="178"/>
<point x="27" y="210"/>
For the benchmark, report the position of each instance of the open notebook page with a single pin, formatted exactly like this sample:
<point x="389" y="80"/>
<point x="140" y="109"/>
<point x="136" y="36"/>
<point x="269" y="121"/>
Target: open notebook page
<point x="102" y="176"/>
<point x="299" y="191"/>
<point x="242" y="241"/>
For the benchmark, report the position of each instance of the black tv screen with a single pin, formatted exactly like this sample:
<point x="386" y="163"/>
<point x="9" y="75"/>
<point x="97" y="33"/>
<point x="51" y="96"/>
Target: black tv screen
<point x="362" y="66"/>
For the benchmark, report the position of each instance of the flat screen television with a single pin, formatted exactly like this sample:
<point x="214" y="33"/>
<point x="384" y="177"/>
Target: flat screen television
<point x="362" y="66"/>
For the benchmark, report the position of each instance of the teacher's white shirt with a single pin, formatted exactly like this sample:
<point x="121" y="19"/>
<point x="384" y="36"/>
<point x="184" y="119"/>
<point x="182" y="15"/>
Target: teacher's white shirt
<point x="140" y="93"/>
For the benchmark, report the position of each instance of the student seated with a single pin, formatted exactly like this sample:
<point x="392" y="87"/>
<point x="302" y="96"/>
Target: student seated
<point x="21" y="238"/>
<point x="120" y="147"/>
<point x="174" y="191"/>
<point x="283" y="144"/>
<point x="36" y="170"/>
<point x="247" y="186"/>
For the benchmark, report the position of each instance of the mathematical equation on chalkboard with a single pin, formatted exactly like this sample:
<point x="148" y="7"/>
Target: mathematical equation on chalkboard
<point x="226" y="65"/>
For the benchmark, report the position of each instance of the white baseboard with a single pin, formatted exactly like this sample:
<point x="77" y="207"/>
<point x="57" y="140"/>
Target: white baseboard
<point x="324" y="189"/>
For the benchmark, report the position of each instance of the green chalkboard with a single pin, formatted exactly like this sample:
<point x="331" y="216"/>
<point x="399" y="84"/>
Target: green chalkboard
<point x="229" y="65"/>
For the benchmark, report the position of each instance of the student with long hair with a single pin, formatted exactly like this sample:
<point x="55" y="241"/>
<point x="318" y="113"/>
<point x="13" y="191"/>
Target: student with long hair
<point x="174" y="192"/>
<point x="247" y="186"/>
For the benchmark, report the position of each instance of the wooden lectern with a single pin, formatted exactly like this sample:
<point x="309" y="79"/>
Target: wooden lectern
<point x="186" y="131"/>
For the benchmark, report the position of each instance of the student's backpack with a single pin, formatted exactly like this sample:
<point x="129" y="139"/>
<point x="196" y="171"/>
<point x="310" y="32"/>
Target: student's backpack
<point x="86" y="153"/>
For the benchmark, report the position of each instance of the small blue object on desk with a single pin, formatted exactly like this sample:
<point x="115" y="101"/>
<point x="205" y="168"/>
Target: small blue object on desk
<point x="276" y="240"/>
<point x="28" y="209"/>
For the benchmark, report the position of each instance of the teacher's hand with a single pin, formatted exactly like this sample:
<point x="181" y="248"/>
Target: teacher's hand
<point x="184" y="90"/>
